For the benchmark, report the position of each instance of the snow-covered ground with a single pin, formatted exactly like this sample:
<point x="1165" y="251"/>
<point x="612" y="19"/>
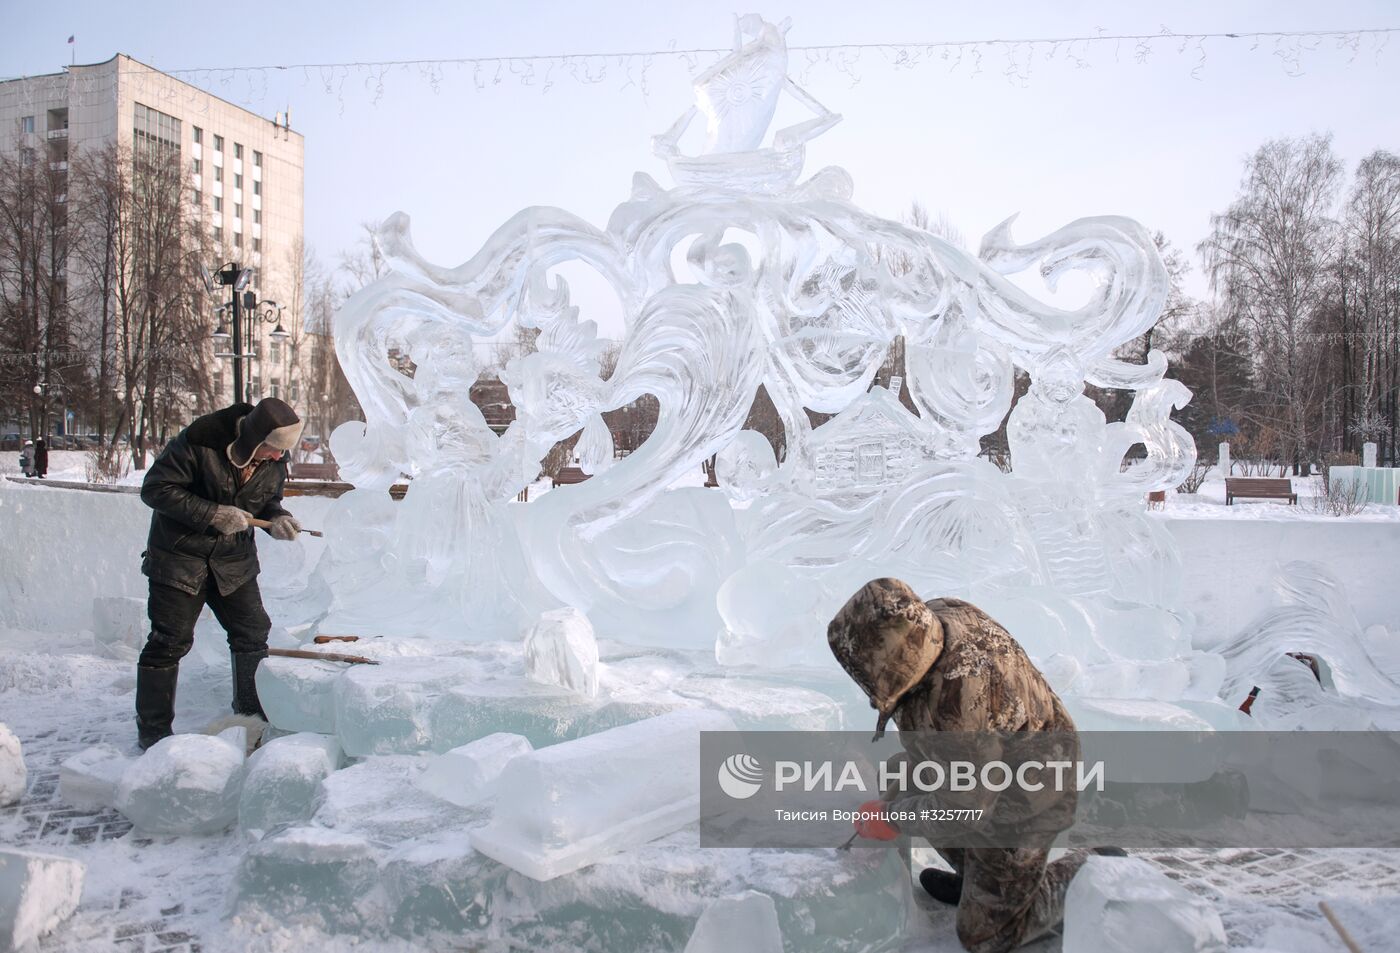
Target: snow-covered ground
<point x="71" y="465"/>
<point x="63" y="690"/>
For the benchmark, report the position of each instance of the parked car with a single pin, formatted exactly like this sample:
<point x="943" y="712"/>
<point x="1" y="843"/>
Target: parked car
<point x="11" y="441"/>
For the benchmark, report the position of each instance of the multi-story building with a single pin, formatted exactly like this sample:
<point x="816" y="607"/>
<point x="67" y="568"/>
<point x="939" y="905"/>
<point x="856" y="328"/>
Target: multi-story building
<point x="244" y="171"/>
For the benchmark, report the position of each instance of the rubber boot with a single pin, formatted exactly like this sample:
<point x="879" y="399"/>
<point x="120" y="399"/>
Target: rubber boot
<point x="245" y="688"/>
<point x="942" y="885"/>
<point x="155" y="703"/>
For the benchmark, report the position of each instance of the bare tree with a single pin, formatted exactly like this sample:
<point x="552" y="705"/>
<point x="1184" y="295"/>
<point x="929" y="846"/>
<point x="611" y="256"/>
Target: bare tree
<point x="99" y="192"/>
<point x="364" y="261"/>
<point x="34" y="314"/>
<point x="1367" y="335"/>
<point x="159" y="305"/>
<point x="1269" y="256"/>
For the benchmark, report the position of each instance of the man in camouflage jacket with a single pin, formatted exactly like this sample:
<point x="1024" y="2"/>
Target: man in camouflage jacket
<point x="944" y="666"/>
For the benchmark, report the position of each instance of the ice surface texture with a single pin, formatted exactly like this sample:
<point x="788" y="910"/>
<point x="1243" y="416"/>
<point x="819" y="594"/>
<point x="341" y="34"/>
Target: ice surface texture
<point x="88" y="780"/>
<point x="1126" y="905"/>
<point x="13" y="773"/>
<point x="560" y="650"/>
<point x="571" y="804"/>
<point x="747" y="922"/>
<point x="467" y="775"/>
<point x="184" y="784"/>
<point x="283" y="781"/>
<point x="37" y="893"/>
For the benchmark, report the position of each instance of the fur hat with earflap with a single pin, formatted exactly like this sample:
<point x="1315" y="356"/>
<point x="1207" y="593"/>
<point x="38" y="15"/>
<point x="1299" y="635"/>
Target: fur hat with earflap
<point x="271" y="422"/>
<point x="886" y="639"/>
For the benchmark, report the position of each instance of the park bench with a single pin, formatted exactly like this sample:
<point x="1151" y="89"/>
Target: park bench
<point x="327" y="472"/>
<point x="1259" y="488"/>
<point x="568" y="476"/>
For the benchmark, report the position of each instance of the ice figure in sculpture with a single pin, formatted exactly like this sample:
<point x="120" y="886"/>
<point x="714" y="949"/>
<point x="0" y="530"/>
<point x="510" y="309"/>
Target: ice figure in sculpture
<point x="742" y="276"/>
<point x="1056" y="437"/>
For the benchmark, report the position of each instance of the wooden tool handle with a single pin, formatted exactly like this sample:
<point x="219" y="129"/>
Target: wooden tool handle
<point x="1337" y="925"/>
<point x="264" y="524"/>
<point x="322" y="656"/>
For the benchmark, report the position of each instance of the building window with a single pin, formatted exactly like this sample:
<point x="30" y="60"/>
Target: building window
<point x="218" y="143"/>
<point x="257" y="244"/>
<point x="26" y="125"/>
<point x="257" y="158"/>
<point x="218" y="234"/>
<point x="238" y="150"/>
<point x="198" y="197"/>
<point x="276" y="354"/>
<point x="218" y="203"/>
<point x="155" y="130"/>
<point x="238" y="180"/>
<point x="238" y="210"/>
<point x="198" y="134"/>
<point x="237" y="239"/>
<point x="198" y="167"/>
<point x="257" y="216"/>
<point x="257" y="188"/>
<point x="219" y="172"/>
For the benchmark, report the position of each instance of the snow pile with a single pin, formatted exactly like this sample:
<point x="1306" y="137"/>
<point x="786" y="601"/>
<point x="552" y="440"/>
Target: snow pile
<point x="464" y="776"/>
<point x="37" y="893"/>
<point x="560" y="650"/>
<point x="283" y="781"/>
<point x="1126" y="905"/>
<point x="747" y="922"/>
<point x="88" y="780"/>
<point x="184" y="784"/>
<point x="571" y="804"/>
<point x="13" y="774"/>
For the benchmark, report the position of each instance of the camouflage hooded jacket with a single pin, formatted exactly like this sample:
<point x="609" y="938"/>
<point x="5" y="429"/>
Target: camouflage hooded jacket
<point x="958" y="687"/>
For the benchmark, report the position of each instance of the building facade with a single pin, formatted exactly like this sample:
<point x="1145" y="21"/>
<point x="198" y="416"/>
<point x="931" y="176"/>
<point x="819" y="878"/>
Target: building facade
<point x="245" y="184"/>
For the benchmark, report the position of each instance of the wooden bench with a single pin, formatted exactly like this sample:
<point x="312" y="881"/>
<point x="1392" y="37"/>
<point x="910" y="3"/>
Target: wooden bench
<point x="1259" y="488"/>
<point x="568" y="476"/>
<point x="327" y="472"/>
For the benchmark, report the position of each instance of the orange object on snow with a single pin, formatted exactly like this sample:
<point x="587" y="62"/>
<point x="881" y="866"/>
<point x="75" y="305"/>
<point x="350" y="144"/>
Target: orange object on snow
<point x="871" y="824"/>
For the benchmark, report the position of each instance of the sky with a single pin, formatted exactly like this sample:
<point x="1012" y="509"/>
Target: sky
<point x="1161" y="139"/>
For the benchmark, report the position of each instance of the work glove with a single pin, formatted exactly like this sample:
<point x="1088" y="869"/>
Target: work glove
<point x="871" y="824"/>
<point x="284" y="527"/>
<point x="229" y="519"/>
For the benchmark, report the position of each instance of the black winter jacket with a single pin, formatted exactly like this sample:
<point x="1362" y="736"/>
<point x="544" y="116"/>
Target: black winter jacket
<point x="187" y="482"/>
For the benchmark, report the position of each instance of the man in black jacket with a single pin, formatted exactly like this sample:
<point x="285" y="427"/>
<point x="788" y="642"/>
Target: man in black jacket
<point x="220" y="471"/>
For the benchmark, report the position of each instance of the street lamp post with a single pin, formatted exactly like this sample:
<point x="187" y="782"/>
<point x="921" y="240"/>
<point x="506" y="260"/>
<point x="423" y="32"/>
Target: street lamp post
<point x="42" y="390"/>
<point x="243" y="305"/>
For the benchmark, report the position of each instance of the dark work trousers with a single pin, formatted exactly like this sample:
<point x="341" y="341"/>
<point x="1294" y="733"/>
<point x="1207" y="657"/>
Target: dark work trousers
<point x="173" y="613"/>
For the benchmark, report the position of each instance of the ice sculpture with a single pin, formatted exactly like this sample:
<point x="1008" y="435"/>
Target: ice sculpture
<point x="1124" y="903"/>
<point x="1355" y="687"/>
<point x="741" y="276"/>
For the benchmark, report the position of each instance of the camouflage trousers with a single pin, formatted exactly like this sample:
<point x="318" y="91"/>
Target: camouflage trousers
<point x="1009" y="895"/>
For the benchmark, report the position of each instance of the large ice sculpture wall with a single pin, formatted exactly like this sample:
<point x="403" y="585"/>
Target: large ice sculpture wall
<point x="742" y="275"/>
